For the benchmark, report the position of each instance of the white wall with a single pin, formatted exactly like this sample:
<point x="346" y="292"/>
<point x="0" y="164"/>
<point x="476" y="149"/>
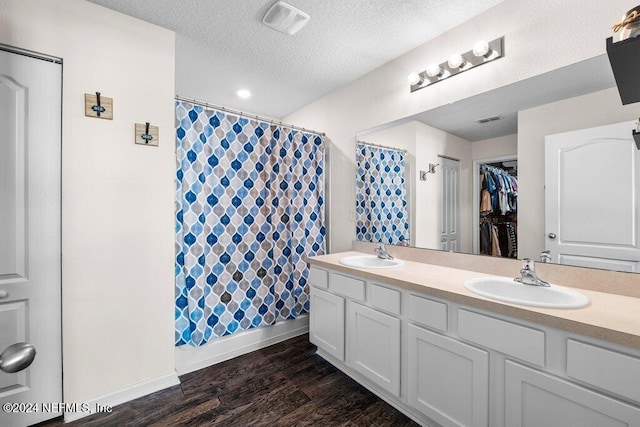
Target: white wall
<point x="595" y="109"/>
<point x="540" y="36"/>
<point x="495" y="147"/>
<point x="430" y="143"/>
<point x="117" y="197"/>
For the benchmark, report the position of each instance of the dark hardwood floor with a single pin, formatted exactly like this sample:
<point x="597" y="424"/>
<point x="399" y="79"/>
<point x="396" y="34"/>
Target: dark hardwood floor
<point x="285" y="384"/>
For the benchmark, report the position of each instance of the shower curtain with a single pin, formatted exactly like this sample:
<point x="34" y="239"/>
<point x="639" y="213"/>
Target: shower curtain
<point x="381" y="205"/>
<point x="250" y="206"/>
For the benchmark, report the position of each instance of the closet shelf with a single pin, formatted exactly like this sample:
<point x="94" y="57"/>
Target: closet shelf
<point x="624" y="57"/>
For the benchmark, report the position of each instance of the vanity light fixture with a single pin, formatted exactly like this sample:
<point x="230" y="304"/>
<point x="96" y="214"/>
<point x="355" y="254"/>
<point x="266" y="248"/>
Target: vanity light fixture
<point x="482" y="52"/>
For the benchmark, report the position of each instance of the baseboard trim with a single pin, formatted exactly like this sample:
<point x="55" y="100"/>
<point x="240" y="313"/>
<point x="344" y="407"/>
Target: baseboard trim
<point x="190" y="359"/>
<point x="126" y="394"/>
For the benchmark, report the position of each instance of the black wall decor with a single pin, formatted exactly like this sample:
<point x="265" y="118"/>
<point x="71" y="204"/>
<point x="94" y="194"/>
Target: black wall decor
<point x="624" y="57"/>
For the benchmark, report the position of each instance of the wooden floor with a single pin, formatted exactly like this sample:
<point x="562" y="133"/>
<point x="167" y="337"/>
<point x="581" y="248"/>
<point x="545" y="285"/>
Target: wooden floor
<point x="285" y="384"/>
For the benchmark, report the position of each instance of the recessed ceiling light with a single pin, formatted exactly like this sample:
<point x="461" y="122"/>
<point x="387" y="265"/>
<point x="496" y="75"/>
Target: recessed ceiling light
<point x="243" y="93"/>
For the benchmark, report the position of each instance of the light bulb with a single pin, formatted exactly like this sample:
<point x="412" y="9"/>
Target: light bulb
<point x="481" y="48"/>
<point x="414" y="79"/>
<point x="456" y="61"/>
<point x="434" y="70"/>
<point x="243" y="93"/>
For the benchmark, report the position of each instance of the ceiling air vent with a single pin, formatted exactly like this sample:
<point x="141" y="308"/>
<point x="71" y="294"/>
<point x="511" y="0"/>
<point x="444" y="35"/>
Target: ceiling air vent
<point x="285" y="18"/>
<point x="489" y="119"/>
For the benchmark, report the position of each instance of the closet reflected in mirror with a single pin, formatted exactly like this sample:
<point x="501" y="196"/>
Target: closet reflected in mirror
<point x="497" y="231"/>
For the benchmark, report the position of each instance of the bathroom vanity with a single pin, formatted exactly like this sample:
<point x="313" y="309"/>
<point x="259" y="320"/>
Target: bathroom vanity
<point x="442" y="355"/>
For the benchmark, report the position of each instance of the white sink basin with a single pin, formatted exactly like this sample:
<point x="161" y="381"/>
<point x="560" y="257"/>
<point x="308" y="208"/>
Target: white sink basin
<point x="507" y="290"/>
<point x="370" y="261"/>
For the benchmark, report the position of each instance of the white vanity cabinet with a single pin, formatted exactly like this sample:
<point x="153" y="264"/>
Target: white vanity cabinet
<point x="326" y="322"/>
<point x="534" y="398"/>
<point x="448" y="380"/>
<point x="374" y="346"/>
<point x="443" y="363"/>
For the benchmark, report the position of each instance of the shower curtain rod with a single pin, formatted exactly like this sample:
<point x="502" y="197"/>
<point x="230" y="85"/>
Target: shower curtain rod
<point x="242" y="114"/>
<point x="381" y="146"/>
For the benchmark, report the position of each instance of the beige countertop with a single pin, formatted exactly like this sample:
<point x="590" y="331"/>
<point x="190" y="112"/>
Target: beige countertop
<point x="610" y="317"/>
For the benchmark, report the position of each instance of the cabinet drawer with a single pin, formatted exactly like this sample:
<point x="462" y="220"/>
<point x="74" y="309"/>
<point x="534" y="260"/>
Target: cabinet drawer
<point x="427" y="312"/>
<point x="346" y="286"/>
<point x="607" y="369"/>
<point x="385" y="299"/>
<point x="318" y="278"/>
<point x="509" y="338"/>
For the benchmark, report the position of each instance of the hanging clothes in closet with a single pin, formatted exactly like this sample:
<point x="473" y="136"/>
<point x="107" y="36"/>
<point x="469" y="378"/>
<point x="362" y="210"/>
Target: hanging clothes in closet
<point x="498" y="210"/>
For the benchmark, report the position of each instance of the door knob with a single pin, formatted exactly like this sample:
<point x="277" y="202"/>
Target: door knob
<point x="551" y="236"/>
<point x="3" y="294"/>
<point x="17" y="357"/>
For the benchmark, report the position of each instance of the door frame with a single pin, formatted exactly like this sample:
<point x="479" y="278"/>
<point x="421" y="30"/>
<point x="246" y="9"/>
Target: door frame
<point x="32" y="54"/>
<point x="55" y="60"/>
<point x="476" y="195"/>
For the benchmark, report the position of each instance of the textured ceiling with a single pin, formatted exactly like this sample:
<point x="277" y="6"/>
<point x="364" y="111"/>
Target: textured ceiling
<point x="222" y="45"/>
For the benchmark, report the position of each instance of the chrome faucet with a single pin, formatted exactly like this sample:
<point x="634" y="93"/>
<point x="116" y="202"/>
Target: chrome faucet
<point x="545" y="256"/>
<point x="529" y="276"/>
<point x="382" y="252"/>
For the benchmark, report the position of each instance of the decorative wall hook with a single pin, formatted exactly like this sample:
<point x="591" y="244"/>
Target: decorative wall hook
<point x="145" y="134"/>
<point x="98" y="106"/>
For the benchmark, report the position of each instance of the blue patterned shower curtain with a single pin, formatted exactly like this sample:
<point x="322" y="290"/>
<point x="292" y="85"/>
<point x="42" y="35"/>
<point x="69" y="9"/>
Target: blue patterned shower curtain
<point x="381" y="203"/>
<point x="250" y="206"/>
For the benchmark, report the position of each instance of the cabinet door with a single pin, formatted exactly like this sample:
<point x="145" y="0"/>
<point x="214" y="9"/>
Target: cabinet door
<point x="534" y="398"/>
<point x="326" y="322"/>
<point x="374" y="346"/>
<point x="448" y="380"/>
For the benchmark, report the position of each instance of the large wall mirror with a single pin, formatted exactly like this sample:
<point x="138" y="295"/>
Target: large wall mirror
<point x="545" y="168"/>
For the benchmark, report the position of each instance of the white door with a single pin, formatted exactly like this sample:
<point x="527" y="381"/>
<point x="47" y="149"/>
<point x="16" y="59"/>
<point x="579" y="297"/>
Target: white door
<point x="374" y="346"/>
<point x="30" y="304"/>
<point x="449" y="204"/>
<point x="591" y="197"/>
